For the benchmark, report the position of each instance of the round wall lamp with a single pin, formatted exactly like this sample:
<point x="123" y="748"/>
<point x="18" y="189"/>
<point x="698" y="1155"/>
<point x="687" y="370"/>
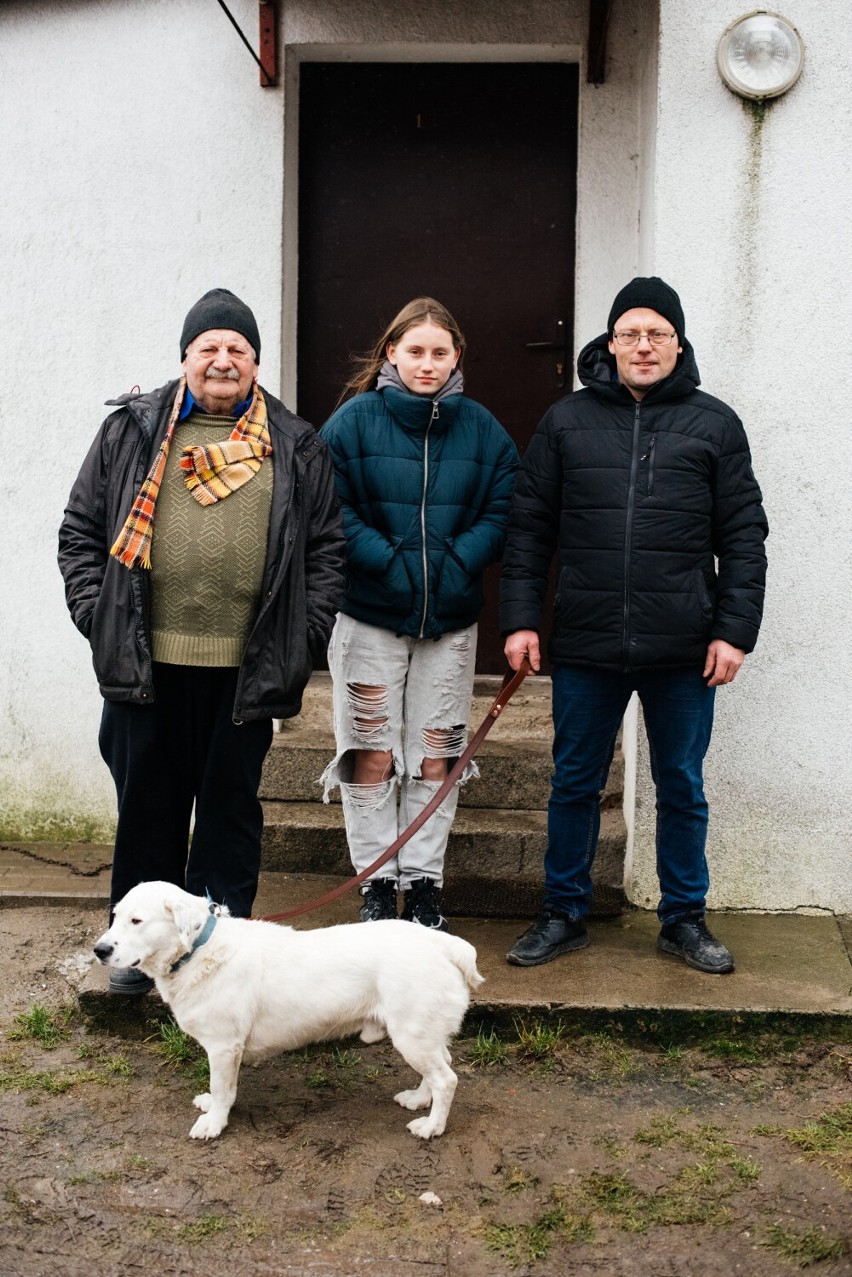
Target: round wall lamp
<point x="760" y="55"/>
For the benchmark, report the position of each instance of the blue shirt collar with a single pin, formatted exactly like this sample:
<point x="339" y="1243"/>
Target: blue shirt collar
<point x="189" y="403"/>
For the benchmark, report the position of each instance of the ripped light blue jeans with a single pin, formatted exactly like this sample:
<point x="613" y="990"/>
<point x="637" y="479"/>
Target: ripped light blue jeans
<point x="410" y="697"/>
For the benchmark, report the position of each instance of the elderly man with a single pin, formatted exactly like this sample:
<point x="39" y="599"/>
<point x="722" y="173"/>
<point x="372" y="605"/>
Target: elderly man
<point x="641" y="483"/>
<point x="202" y="553"/>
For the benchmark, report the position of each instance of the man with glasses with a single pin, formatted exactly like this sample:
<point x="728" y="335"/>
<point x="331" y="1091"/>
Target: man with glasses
<point x="643" y="486"/>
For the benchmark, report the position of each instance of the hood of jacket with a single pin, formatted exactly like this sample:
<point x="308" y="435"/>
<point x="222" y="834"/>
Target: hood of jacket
<point x="597" y="371"/>
<point x="415" y="413"/>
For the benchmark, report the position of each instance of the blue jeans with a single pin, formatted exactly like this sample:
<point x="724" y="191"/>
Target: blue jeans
<point x="588" y="706"/>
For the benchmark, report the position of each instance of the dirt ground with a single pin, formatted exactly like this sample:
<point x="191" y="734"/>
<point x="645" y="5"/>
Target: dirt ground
<point x="574" y="1148"/>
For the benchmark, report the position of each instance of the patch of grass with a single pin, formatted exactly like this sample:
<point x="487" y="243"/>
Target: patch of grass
<point x="318" y="1078"/>
<point x="539" y="1041"/>
<point x="803" y="1249"/>
<point x="41" y="1025"/>
<point x="488" y="1051"/>
<point x="519" y="1180"/>
<point x="23" y="1079"/>
<point x="745" y="1168"/>
<point x="828" y="1141"/>
<point x="93" y="1177"/>
<point x="662" y="1131"/>
<point x="344" y="1060"/>
<point x="734" y="1049"/>
<point x="686" y="1201"/>
<point x="607" y="1057"/>
<point x="180" y="1051"/>
<point x="336" y="1069"/>
<point x="117" y="1065"/>
<point x="521" y="1245"/>
<point x="202" y="1230"/>
<point x="609" y="1145"/>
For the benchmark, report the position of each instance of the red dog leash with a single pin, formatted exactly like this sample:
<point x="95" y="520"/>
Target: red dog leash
<point x="511" y="683"/>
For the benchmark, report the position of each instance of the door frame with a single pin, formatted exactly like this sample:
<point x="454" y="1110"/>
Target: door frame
<point x="294" y="56"/>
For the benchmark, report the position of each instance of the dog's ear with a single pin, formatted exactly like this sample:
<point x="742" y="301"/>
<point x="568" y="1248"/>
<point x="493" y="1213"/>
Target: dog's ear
<point x="186" y="918"/>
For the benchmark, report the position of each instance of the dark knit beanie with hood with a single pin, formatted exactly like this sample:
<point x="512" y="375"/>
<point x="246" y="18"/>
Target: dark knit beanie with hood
<point x="220" y="309"/>
<point x="652" y="293"/>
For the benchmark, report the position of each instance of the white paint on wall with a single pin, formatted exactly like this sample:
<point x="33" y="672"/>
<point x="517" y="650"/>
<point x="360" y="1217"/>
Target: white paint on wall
<point x="143" y="164"/>
<point x="751" y="225"/>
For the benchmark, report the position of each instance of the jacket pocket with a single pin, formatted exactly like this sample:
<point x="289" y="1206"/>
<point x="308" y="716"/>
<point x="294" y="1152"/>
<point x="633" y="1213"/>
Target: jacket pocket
<point x="568" y="600"/>
<point x="705" y="598"/>
<point x="457" y="592"/>
<point x="391" y="588"/>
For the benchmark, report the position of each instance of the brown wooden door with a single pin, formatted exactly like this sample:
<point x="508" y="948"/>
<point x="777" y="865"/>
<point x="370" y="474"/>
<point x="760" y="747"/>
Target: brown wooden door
<point x="453" y="180"/>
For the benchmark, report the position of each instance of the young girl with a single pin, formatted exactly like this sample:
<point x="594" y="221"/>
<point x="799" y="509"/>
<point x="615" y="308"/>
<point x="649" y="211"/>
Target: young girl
<point x="425" y="477"/>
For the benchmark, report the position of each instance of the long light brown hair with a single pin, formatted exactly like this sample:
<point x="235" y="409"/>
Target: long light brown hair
<point x="419" y="311"/>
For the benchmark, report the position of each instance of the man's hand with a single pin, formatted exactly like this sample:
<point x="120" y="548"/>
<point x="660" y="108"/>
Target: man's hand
<point x="723" y="662"/>
<point x="524" y="643"/>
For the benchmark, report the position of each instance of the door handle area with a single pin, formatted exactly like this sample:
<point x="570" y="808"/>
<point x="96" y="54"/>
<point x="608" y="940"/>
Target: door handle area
<point x="560" y="344"/>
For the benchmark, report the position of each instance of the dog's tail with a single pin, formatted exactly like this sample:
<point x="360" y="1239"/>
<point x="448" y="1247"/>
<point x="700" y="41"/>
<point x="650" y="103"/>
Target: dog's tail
<point x="463" y="955"/>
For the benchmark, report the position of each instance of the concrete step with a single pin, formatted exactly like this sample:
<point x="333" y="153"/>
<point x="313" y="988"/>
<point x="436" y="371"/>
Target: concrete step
<point x="514" y="761"/>
<point x="495" y="857"/>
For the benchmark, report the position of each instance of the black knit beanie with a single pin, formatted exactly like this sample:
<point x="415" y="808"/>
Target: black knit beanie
<point x="220" y="309"/>
<point x="653" y="293"/>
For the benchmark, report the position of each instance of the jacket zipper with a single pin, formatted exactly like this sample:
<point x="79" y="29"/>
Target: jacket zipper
<point x="434" y="417"/>
<point x="628" y="536"/>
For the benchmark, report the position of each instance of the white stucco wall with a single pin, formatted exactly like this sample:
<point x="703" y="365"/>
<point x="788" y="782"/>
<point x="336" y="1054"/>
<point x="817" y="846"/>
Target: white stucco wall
<point x="141" y="165"/>
<point x="751" y="225"/>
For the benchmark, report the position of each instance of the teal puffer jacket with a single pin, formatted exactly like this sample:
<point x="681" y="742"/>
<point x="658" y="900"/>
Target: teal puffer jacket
<point x="425" y="488"/>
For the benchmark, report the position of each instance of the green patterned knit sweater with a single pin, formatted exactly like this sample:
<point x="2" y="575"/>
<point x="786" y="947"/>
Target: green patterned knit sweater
<point x="206" y="561"/>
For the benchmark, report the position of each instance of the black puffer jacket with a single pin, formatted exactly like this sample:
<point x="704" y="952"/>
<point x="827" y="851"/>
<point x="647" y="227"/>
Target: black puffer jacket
<point x="638" y="498"/>
<point x="302" y="580"/>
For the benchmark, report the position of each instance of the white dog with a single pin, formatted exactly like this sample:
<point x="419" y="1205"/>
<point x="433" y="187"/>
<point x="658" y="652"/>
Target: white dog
<point x="248" y="989"/>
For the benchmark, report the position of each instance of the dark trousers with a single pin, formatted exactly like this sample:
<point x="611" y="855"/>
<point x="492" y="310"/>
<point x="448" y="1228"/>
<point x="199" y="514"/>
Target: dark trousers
<point x="588" y="706"/>
<point x="185" y="750"/>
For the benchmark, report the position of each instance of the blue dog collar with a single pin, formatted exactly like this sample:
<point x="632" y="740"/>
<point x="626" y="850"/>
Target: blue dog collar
<point x="203" y="936"/>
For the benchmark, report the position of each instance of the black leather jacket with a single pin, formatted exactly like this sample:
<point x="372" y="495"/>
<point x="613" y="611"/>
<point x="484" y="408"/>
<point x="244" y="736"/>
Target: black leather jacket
<point x="302" y="580"/>
<point x="639" y="500"/>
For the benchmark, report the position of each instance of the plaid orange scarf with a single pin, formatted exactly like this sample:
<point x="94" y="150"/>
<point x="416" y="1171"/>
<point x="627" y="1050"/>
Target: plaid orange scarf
<point x="210" y="474"/>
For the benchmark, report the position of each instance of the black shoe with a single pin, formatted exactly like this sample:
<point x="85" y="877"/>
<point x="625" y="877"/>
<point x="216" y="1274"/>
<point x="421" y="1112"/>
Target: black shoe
<point x="129" y="980"/>
<point x="551" y="935"/>
<point x="689" y="939"/>
<point x="378" y="900"/>
<point x="422" y="903"/>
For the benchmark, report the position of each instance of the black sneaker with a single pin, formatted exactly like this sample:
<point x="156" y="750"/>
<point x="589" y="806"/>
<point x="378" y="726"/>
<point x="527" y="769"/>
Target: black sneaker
<point x="551" y="935"/>
<point x="422" y="903"/>
<point x="129" y="980"/>
<point x="378" y="900"/>
<point x="689" y="939"/>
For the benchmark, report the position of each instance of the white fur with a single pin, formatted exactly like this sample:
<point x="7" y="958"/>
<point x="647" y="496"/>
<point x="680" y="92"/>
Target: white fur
<point x="256" y="988"/>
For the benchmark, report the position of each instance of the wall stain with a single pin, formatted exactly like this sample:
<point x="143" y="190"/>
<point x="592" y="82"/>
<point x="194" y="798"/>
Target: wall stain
<point x="756" y="112"/>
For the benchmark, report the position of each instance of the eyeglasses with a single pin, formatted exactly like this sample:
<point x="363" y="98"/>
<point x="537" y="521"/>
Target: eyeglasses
<point x="656" y="338"/>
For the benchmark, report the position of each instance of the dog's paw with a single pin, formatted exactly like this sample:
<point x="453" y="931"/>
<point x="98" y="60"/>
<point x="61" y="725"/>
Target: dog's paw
<point x="373" y="1032"/>
<point x="414" y="1099"/>
<point x="425" y="1128"/>
<point x="206" y="1128"/>
<point x="203" y="1102"/>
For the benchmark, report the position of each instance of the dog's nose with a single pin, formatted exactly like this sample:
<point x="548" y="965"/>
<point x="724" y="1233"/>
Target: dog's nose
<point x="103" y="950"/>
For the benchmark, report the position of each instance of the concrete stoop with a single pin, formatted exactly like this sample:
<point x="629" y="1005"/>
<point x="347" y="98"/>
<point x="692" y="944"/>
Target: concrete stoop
<point x="495" y="856"/>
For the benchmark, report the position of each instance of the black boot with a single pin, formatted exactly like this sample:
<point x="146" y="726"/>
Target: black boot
<point x="551" y="935"/>
<point x="422" y="903"/>
<point x="378" y="900"/>
<point x="689" y="939"/>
